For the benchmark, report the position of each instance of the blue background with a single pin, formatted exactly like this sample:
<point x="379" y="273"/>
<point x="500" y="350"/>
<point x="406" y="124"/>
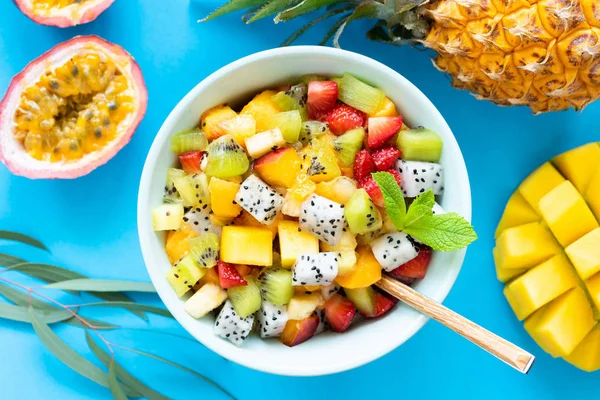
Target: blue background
<point x="90" y="223"/>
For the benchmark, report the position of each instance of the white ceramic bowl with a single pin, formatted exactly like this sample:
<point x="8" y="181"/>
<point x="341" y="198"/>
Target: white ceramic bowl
<point x="240" y="80"/>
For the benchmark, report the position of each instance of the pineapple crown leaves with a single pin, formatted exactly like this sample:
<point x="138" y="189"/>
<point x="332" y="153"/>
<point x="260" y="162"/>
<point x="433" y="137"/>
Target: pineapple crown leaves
<point x="399" y="21"/>
<point x="29" y="305"/>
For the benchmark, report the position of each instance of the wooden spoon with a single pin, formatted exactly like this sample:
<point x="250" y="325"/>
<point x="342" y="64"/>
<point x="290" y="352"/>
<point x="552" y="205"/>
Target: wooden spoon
<point x="493" y="344"/>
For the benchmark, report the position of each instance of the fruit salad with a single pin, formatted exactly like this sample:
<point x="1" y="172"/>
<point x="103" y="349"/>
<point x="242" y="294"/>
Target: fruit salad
<point x="280" y="217"/>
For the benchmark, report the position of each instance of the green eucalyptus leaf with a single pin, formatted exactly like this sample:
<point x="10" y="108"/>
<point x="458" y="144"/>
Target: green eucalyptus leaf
<point x="103" y="285"/>
<point x="7" y="260"/>
<point x="96" y="323"/>
<point x="273" y="7"/>
<point x="304" y="7"/>
<point x="114" y="385"/>
<point x="21" y="314"/>
<point x="130" y="305"/>
<point x="232" y="6"/>
<point x="122" y="374"/>
<point x="21" y="238"/>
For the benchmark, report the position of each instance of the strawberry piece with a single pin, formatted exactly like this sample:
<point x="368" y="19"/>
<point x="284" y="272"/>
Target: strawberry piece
<point x="385" y="158"/>
<point x="415" y="268"/>
<point x="340" y="312"/>
<point x="190" y="161"/>
<point x="298" y="331"/>
<point x="322" y="97"/>
<point x="383" y="304"/>
<point x="363" y="165"/>
<point x="343" y="118"/>
<point x="373" y="189"/>
<point x="380" y="129"/>
<point x="229" y="276"/>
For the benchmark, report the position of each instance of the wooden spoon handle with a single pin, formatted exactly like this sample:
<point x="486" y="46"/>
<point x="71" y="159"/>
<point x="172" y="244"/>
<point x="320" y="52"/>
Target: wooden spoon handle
<point x="493" y="344"/>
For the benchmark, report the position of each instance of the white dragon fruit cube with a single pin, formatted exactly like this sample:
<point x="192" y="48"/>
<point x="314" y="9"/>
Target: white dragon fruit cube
<point x="394" y="249"/>
<point x="419" y="177"/>
<point x="315" y="269"/>
<point x="259" y="199"/>
<point x="323" y="218"/>
<point x="199" y="220"/>
<point x="229" y="325"/>
<point x="271" y="319"/>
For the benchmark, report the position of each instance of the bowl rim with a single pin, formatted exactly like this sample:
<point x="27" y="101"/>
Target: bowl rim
<point x="241" y="358"/>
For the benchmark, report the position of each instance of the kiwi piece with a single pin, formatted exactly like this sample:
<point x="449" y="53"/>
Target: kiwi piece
<point x="311" y="130"/>
<point x="171" y="194"/>
<point x="363" y="299"/>
<point x="347" y="145"/>
<point x="276" y="286"/>
<point x="246" y="300"/>
<point x="193" y="190"/>
<point x="289" y="122"/>
<point x="226" y="158"/>
<point x="293" y="99"/>
<point x="361" y="214"/>
<point x="420" y="144"/>
<point x="184" y="275"/>
<point x="312" y="78"/>
<point x="190" y="140"/>
<point x="204" y="249"/>
<point x="359" y="95"/>
<point x="167" y="217"/>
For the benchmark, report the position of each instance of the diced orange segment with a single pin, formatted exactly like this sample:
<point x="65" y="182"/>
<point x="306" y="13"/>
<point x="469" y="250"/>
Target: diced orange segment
<point x="211" y="118"/>
<point x="177" y="244"/>
<point x="386" y="109"/>
<point x="517" y="212"/>
<point x="293" y="243"/>
<point x="279" y="168"/>
<point x="585" y="254"/>
<point x="526" y="246"/>
<point x="578" y="165"/>
<point x="245" y="245"/>
<point x="586" y="356"/>
<point x="222" y="198"/>
<point x="540" y="285"/>
<point x="567" y="214"/>
<point x="366" y="272"/>
<point x="539" y="183"/>
<point x="262" y="109"/>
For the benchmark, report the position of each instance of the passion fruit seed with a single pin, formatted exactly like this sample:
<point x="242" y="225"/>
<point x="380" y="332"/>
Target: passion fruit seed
<point x="75" y="109"/>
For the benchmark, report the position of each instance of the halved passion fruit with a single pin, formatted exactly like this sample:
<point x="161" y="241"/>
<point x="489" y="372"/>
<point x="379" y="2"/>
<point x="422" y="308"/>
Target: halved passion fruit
<point x="71" y="110"/>
<point x="63" y="13"/>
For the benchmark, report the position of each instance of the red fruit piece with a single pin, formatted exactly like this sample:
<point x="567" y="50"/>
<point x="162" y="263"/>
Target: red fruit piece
<point x="373" y="190"/>
<point x="322" y="96"/>
<point x="385" y="158"/>
<point x="380" y="129"/>
<point x="340" y="312"/>
<point x="298" y="331"/>
<point x="415" y="268"/>
<point x="383" y="304"/>
<point x="190" y="161"/>
<point x="363" y="165"/>
<point x="343" y="118"/>
<point x="229" y="276"/>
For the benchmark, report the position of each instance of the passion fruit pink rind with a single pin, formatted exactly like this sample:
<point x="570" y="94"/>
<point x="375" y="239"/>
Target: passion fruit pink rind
<point x="12" y="152"/>
<point x="75" y="14"/>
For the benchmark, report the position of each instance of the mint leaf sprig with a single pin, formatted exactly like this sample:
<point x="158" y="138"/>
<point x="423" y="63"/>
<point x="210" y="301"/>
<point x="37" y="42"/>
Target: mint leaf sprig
<point x="441" y="232"/>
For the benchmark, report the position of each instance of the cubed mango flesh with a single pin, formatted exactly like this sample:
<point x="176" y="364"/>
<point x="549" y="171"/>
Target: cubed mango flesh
<point x="247" y="245"/>
<point x="262" y="108"/>
<point x="246" y="219"/>
<point x="540" y="285"/>
<point x="567" y="214"/>
<point x="530" y="325"/>
<point x="585" y="254"/>
<point x="592" y="194"/>
<point x="177" y="245"/>
<point x="386" y="109"/>
<point x="525" y="246"/>
<point x="279" y="168"/>
<point x="211" y="118"/>
<point x="339" y="190"/>
<point x="506" y="274"/>
<point x="586" y="356"/>
<point x="540" y="182"/>
<point x="564" y="323"/>
<point x="365" y="273"/>
<point x="593" y="287"/>
<point x="578" y="165"/>
<point x="293" y="243"/>
<point x="517" y="212"/>
<point x="222" y="198"/>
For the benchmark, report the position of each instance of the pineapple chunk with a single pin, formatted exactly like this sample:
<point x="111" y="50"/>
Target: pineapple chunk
<point x="211" y="118"/>
<point x="540" y="285"/>
<point x="293" y="243"/>
<point x="205" y="300"/>
<point x="592" y="195"/>
<point x="567" y="214"/>
<point x="517" y="212"/>
<point x="262" y="108"/>
<point x="578" y="165"/>
<point x="347" y="243"/>
<point x="264" y="142"/>
<point x="222" y="198"/>
<point x="247" y="245"/>
<point x="239" y="127"/>
<point x="339" y="190"/>
<point x="167" y="217"/>
<point x="302" y="306"/>
<point x="585" y="254"/>
<point x="506" y="274"/>
<point x="564" y="323"/>
<point x="525" y="246"/>
<point x="587" y="355"/>
<point x="543" y="180"/>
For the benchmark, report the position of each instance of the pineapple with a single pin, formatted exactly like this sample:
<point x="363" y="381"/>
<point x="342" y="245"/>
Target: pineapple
<point x="543" y="54"/>
<point x="548" y="255"/>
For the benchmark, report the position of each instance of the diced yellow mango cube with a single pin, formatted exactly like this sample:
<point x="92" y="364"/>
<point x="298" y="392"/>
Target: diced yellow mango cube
<point x="247" y="245"/>
<point x="578" y="165"/>
<point x="506" y="274"/>
<point x="565" y="322"/>
<point x="262" y="108"/>
<point x="517" y="212"/>
<point x="593" y="287"/>
<point x="386" y="109"/>
<point x="540" y="285"/>
<point x="540" y="182"/>
<point x="526" y="246"/>
<point x="567" y="214"/>
<point x="530" y="325"/>
<point x="592" y="194"/>
<point x="211" y="118"/>
<point x="585" y="254"/>
<point x="222" y="198"/>
<point x="587" y="355"/>
<point x="293" y="243"/>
